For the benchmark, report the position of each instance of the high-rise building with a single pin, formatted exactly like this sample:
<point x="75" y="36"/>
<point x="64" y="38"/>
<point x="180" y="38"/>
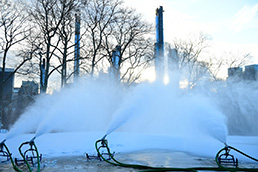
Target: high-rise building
<point x="159" y="45"/>
<point x="251" y="72"/>
<point x="115" y="65"/>
<point x="22" y="98"/>
<point x="77" y="45"/>
<point x="6" y="88"/>
<point x="235" y="72"/>
<point x="26" y="93"/>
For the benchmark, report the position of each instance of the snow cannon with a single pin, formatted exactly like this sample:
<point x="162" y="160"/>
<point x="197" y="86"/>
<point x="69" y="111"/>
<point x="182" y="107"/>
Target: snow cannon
<point x="30" y="155"/>
<point x="104" y="154"/>
<point x="4" y="153"/>
<point x="226" y="158"/>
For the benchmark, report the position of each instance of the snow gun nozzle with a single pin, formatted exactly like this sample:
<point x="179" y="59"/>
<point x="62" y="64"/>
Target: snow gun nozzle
<point x="32" y="140"/>
<point x="2" y="143"/>
<point x="103" y="140"/>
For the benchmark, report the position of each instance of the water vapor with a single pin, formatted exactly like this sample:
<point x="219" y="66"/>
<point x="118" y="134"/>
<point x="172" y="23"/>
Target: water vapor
<point x="210" y="110"/>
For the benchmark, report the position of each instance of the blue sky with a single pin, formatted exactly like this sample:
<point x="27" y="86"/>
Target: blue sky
<point x="236" y="20"/>
<point x="232" y="24"/>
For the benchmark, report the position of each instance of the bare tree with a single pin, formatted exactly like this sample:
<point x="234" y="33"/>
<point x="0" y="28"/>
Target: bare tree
<point x="14" y="31"/>
<point x="66" y="33"/>
<point x="129" y="31"/>
<point x="225" y="61"/>
<point x="49" y="17"/>
<point x="190" y="62"/>
<point x="195" y="66"/>
<point x="236" y="59"/>
<point x="108" y="24"/>
<point x="97" y="16"/>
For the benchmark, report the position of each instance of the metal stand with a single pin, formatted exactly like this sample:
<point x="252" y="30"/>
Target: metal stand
<point x="3" y="153"/>
<point x="227" y="159"/>
<point x="106" y="155"/>
<point x="30" y="155"/>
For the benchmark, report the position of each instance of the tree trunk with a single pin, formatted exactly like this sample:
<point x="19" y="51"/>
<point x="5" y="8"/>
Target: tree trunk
<point x="63" y="79"/>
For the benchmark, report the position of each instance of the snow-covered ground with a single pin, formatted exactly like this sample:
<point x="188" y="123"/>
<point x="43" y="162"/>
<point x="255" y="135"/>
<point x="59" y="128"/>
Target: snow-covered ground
<point x="78" y="143"/>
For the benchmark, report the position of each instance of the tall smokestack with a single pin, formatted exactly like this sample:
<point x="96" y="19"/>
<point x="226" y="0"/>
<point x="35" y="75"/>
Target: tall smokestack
<point x="159" y="45"/>
<point x="77" y="45"/>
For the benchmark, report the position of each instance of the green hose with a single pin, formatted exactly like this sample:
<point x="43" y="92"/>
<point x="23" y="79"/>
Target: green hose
<point x="36" y="149"/>
<point x="10" y="155"/>
<point x="236" y="169"/>
<point x="31" y="143"/>
<point x="153" y="169"/>
<point x="24" y="158"/>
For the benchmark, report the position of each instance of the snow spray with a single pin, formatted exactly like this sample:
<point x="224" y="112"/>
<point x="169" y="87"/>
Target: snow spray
<point x="166" y="110"/>
<point x="30" y="119"/>
<point x="153" y="108"/>
<point x="84" y="107"/>
<point x="238" y="102"/>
